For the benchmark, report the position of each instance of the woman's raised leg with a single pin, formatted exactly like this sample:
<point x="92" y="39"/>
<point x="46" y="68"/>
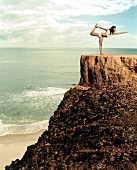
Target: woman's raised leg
<point x="93" y="31"/>
<point x="99" y="35"/>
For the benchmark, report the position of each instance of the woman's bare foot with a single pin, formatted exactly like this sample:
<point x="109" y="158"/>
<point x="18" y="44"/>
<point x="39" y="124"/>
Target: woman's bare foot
<point x="96" y="26"/>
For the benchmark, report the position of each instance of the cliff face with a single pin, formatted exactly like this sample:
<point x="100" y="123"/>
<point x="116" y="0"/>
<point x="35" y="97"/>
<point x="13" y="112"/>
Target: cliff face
<point x="110" y="69"/>
<point x="95" y="125"/>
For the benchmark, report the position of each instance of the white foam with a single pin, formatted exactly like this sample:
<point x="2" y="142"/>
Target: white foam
<point x="38" y="93"/>
<point x="49" y="91"/>
<point x="35" y="99"/>
<point x="40" y="103"/>
<point x="1" y="62"/>
<point x="6" y="129"/>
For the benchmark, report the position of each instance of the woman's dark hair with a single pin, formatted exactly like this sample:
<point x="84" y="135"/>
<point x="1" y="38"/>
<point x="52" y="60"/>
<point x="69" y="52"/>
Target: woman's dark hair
<point x="112" y="29"/>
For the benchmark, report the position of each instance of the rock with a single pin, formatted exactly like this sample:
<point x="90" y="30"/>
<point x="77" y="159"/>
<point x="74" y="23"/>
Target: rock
<point x="95" y="125"/>
<point x="108" y="69"/>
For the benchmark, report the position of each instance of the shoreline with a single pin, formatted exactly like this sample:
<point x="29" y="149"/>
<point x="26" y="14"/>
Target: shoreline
<point x="14" y="146"/>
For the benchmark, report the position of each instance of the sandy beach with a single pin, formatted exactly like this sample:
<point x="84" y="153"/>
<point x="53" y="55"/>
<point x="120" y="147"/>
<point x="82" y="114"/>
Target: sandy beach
<point x="13" y="147"/>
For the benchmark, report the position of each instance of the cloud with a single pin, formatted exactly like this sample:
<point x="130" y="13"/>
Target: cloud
<point x="86" y="7"/>
<point x="125" y="40"/>
<point x="54" y="22"/>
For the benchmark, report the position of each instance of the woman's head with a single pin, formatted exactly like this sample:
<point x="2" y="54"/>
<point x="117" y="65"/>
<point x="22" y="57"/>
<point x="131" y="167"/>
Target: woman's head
<point x="112" y="29"/>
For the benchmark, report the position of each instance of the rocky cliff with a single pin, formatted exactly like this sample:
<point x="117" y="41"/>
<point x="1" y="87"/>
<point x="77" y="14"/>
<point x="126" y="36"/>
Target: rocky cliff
<point x="109" y="69"/>
<point x="95" y="125"/>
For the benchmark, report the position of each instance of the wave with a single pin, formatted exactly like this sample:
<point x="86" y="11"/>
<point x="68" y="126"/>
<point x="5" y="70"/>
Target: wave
<point x="6" y="129"/>
<point x="49" y="91"/>
<point x="31" y="92"/>
<point x="1" y="62"/>
<point x="29" y="110"/>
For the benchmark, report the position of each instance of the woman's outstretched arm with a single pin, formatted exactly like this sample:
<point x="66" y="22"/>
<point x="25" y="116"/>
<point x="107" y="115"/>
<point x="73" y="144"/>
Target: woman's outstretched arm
<point x="116" y="33"/>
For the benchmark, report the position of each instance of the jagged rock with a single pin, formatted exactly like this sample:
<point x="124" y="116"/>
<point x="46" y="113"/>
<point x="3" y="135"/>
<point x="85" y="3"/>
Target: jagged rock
<point x="95" y="125"/>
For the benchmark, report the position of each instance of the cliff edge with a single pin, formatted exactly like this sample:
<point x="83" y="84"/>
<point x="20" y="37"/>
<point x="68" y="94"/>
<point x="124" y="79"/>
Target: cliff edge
<point x="108" y="69"/>
<point x="95" y="125"/>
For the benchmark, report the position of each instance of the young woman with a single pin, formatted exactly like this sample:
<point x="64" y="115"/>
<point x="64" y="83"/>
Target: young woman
<point x="107" y="34"/>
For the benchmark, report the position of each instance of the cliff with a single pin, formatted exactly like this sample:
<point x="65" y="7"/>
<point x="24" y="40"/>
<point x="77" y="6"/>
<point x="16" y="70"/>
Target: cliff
<point x="109" y="69"/>
<point x="95" y="125"/>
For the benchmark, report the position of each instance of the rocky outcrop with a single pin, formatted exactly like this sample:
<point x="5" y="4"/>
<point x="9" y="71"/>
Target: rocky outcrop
<point x="95" y="125"/>
<point x="109" y="69"/>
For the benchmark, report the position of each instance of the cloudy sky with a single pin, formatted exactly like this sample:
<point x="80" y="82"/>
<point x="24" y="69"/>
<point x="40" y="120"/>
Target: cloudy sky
<point x="66" y="23"/>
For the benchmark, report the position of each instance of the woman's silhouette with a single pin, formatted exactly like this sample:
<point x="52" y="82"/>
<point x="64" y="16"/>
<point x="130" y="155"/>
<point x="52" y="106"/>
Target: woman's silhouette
<point x="107" y="34"/>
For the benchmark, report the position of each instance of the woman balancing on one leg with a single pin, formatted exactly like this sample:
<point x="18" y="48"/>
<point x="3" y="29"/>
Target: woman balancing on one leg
<point x="109" y="33"/>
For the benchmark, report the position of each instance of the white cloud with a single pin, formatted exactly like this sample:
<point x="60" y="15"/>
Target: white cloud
<point x="52" y="22"/>
<point x="125" y="41"/>
<point x="86" y="7"/>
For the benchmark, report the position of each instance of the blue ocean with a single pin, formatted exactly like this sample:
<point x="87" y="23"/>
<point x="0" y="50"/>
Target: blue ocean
<point x="33" y="82"/>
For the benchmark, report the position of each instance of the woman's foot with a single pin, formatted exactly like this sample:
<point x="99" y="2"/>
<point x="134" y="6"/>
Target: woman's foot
<point x="96" y="26"/>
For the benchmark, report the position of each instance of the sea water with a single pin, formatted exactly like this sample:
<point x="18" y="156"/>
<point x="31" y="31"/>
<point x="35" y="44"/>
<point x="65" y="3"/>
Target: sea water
<point x="33" y="82"/>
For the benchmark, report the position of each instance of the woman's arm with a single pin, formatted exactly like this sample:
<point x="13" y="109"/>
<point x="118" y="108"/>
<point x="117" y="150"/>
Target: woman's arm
<point x="102" y="28"/>
<point x="115" y="33"/>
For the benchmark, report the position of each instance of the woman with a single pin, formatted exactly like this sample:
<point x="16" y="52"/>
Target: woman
<point x="109" y="33"/>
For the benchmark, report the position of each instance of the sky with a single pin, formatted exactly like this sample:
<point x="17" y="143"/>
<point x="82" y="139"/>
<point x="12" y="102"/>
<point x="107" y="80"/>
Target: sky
<point x="66" y="23"/>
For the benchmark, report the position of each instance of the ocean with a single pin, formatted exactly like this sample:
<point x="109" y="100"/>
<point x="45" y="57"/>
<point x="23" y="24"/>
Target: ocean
<point x="33" y="82"/>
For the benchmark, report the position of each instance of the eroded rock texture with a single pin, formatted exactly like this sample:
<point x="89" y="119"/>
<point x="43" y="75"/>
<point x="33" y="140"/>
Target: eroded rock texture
<point x="110" y="69"/>
<point x="95" y="125"/>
